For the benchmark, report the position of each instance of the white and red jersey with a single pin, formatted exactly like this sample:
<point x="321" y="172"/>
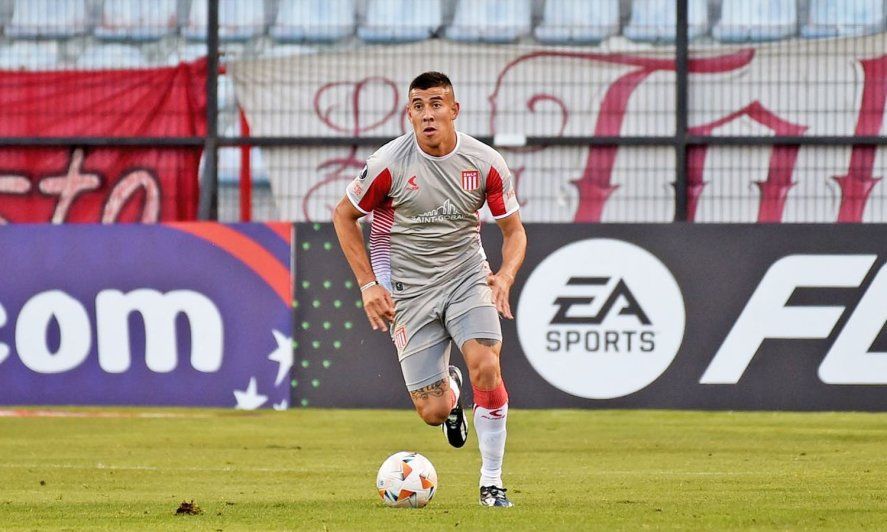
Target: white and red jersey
<point x="426" y="226"/>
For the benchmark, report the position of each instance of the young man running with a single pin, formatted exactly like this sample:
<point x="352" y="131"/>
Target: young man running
<point x="427" y="274"/>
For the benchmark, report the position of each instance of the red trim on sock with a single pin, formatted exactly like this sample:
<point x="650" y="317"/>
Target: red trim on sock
<point x="490" y="399"/>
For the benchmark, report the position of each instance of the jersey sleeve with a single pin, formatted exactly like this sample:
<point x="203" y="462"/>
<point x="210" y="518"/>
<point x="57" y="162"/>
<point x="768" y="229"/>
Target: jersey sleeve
<point x="370" y="188"/>
<point x="501" y="196"/>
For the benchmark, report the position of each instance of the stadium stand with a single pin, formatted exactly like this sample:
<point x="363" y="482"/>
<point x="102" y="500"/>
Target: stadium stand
<point x="654" y="20"/>
<point x="841" y="18"/>
<point x="43" y="35"/>
<point x="229" y="161"/>
<point x="135" y="20"/>
<point x="114" y="55"/>
<point x="48" y="19"/>
<point x="577" y="22"/>
<point x="393" y="21"/>
<point x="186" y="52"/>
<point x="492" y="21"/>
<point x="239" y="20"/>
<point x="30" y="55"/>
<point x="287" y="49"/>
<point x="316" y="21"/>
<point x="756" y="20"/>
<point x="167" y="31"/>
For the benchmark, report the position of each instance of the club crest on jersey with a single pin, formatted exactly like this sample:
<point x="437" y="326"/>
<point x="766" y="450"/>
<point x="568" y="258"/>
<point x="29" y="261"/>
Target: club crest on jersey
<point x="411" y="183"/>
<point x="470" y="179"/>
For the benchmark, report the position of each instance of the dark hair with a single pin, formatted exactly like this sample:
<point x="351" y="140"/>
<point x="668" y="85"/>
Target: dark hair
<point x="427" y="80"/>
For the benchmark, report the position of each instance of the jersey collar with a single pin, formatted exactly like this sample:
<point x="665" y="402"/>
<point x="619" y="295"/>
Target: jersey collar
<point x="442" y="157"/>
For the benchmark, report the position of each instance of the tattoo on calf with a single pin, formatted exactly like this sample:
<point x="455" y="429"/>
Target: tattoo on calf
<point x="432" y="390"/>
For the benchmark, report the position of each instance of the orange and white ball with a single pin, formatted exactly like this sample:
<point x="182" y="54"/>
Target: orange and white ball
<point x="406" y="480"/>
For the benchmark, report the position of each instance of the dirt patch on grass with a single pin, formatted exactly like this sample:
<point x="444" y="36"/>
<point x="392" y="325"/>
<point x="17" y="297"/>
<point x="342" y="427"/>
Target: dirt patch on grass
<point x="188" y="508"/>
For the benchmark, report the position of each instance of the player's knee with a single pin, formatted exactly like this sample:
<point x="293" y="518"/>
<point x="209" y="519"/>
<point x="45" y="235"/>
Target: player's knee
<point x="436" y="419"/>
<point x="434" y="413"/>
<point x="486" y="374"/>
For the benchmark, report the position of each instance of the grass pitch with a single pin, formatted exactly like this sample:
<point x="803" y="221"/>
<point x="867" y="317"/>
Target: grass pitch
<point x="565" y="469"/>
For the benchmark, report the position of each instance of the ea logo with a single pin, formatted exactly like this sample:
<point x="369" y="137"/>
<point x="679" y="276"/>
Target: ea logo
<point x="601" y="318"/>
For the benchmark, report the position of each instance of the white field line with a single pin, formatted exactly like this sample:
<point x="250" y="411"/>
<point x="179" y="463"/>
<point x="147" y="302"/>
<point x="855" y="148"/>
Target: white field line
<point x="101" y="466"/>
<point x="154" y="468"/>
<point x="66" y="413"/>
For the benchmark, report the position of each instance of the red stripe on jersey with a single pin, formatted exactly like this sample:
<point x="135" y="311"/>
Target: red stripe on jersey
<point x="380" y="241"/>
<point x="495" y="197"/>
<point x="378" y="191"/>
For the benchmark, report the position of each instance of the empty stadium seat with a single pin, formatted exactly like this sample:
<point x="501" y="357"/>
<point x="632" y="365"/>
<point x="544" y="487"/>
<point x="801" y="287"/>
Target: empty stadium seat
<point x="239" y="20"/>
<point x="313" y="21"/>
<point x="756" y="20"/>
<point x="226" y="97"/>
<point x="230" y="158"/>
<point x="187" y="53"/>
<point x="656" y="20"/>
<point x="287" y="50"/>
<point x="30" y="55"/>
<point x="494" y="21"/>
<point x="837" y="18"/>
<point x="578" y="21"/>
<point x="137" y="20"/>
<point x="391" y="21"/>
<point x="107" y="56"/>
<point x="48" y="19"/>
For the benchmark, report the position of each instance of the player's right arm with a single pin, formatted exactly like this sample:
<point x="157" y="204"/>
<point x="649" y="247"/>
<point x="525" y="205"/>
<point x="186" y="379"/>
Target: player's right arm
<point x="377" y="302"/>
<point x="361" y="197"/>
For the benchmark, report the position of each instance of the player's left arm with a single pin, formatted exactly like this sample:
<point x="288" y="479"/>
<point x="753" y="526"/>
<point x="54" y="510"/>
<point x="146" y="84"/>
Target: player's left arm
<point x="502" y="200"/>
<point x="514" y="248"/>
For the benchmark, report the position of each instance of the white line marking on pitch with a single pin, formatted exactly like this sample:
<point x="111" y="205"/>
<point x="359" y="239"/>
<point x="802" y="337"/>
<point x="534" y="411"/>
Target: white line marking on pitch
<point x="154" y="468"/>
<point x="302" y="470"/>
<point x="76" y="414"/>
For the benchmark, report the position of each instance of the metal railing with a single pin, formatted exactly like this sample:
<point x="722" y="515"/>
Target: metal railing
<point x="682" y="141"/>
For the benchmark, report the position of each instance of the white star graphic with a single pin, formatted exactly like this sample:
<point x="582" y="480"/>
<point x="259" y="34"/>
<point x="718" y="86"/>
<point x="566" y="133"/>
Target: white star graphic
<point x="283" y="355"/>
<point x="283" y="405"/>
<point x="249" y="399"/>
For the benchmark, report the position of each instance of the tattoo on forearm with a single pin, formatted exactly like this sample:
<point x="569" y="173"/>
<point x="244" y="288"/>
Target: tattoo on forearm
<point x="486" y="341"/>
<point x="432" y="390"/>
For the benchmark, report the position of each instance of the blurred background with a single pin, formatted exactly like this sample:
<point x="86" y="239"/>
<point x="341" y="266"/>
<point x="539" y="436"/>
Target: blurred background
<point x="606" y="110"/>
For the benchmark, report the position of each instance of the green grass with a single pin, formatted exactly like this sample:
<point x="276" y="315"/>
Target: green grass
<point x="566" y="469"/>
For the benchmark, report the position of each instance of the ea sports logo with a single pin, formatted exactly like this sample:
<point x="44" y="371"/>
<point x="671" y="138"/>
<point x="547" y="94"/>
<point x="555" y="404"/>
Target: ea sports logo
<point x="601" y="318"/>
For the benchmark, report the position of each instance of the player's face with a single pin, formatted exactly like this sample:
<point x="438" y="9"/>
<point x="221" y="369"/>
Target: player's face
<point x="432" y="112"/>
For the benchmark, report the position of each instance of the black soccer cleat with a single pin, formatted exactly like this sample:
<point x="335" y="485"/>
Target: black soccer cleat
<point x="494" y="496"/>
<point x="455" y="427"/>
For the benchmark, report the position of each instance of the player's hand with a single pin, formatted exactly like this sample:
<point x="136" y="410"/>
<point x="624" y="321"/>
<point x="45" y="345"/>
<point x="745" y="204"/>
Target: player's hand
<point x="501" y="285"/>
<point x="379" y="306"/>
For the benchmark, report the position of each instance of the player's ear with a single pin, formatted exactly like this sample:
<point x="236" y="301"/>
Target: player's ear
<point x="456" y="109"/>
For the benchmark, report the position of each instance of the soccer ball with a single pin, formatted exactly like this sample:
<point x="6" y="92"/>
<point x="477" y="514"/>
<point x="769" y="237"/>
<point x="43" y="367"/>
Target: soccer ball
<point x="406" y="480"/>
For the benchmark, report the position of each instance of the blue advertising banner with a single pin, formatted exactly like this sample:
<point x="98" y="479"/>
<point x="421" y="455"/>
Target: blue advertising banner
<point x="190" y="314"/>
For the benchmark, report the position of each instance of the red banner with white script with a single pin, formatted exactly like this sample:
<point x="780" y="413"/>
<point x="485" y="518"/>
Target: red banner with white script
<point x="101" y="184"/>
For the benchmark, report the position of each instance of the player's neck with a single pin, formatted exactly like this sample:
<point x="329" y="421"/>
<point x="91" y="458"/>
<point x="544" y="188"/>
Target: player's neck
<point x="445" y="147"/>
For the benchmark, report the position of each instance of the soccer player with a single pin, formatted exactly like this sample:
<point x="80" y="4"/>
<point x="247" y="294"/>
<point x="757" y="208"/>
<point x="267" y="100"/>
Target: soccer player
<point x="427" y="274"/>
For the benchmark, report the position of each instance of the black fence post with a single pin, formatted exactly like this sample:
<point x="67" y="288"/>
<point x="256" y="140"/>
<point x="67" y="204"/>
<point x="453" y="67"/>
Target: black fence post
<point x="682" y="60"/>
<point x="209" y="185"/>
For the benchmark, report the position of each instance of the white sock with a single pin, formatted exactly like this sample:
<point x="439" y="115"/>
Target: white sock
<point x="489" y="425"/>
<point x="456" y="391"/>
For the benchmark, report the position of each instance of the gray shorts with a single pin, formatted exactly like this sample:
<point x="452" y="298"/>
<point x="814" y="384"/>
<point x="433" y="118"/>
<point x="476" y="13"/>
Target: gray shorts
<point x="429" y="364"/>
<point x="431" y="310"/>
<point x="424" y="325"/>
